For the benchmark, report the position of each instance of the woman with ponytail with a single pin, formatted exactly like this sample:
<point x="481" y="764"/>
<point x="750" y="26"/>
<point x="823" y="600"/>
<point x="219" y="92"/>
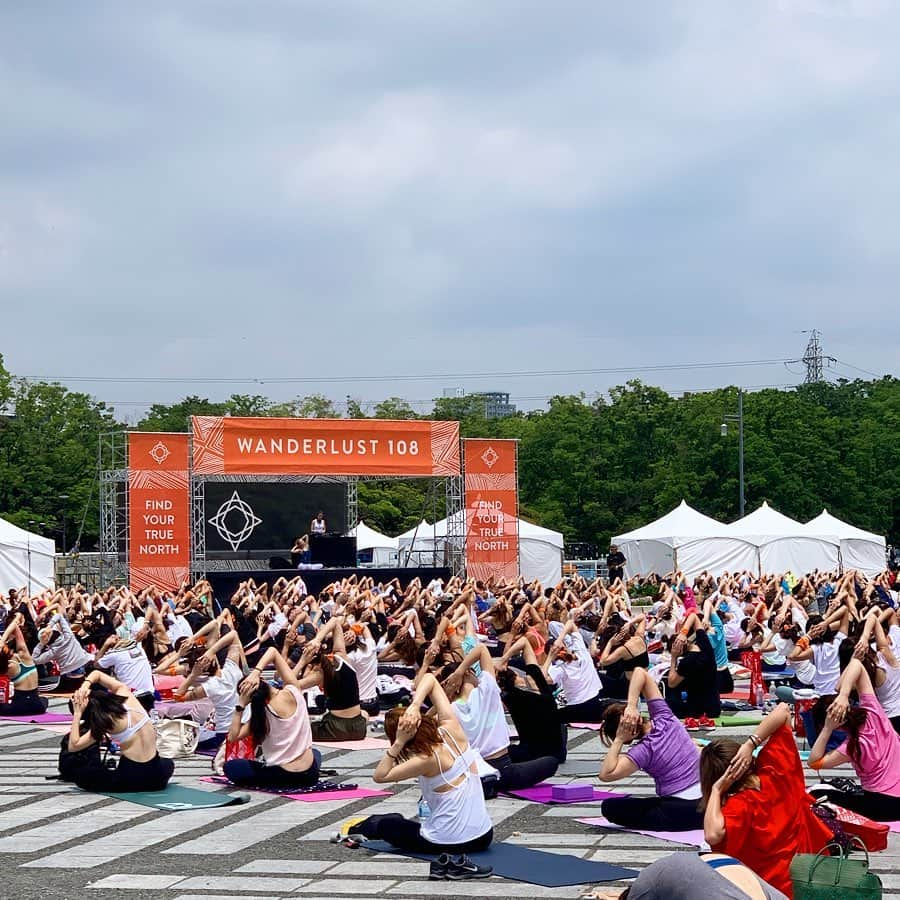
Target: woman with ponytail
<point x="104" y="708"/>
<point x="278" y="722"/>
<point x="332" y="672"/>
<point x="872" y="747"/>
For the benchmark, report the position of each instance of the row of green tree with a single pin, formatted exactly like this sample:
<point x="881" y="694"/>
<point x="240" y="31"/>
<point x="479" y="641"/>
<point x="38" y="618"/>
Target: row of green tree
<point x="590" y="470"/>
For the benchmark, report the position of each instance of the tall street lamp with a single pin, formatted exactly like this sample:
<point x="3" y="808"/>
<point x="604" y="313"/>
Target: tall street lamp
<point x="739" y="418"/>
<point x="65" y="546"/>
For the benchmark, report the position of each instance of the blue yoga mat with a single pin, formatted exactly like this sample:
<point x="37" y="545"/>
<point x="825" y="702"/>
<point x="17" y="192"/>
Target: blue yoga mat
<point x="533" y="866"/>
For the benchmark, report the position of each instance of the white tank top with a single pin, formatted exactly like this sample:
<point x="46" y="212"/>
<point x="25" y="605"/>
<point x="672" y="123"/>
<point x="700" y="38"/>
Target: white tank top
<point x="459" y="814"/>
<point x="828" y="667"/>
<point x="889" y="693"/>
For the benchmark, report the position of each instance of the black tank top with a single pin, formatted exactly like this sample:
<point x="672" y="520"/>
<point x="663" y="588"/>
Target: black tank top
<point x="343" y="692"/>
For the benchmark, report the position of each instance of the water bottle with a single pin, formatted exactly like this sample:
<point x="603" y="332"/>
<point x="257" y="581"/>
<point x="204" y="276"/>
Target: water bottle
<point x="760" y="696"/>
<point x="424" y="809"/>
<point x="683" y="698"/>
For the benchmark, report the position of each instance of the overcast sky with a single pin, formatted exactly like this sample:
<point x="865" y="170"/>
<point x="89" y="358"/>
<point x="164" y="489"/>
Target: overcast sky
<point x="313" y="190"/>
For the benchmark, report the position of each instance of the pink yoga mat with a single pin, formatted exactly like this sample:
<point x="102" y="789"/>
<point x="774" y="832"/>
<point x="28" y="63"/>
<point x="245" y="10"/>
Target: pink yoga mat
<point x="47" y="718"/>
<point x="692" y="838"/>
<point x="543" y="793"/>
<point x="369" y="743"/>
<point x="590" y="726"/>
<point x="354" y="794"/>
<point x="894" y="826"/>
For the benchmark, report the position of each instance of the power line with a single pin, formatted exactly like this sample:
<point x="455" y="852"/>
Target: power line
<point x="454" y="376"/>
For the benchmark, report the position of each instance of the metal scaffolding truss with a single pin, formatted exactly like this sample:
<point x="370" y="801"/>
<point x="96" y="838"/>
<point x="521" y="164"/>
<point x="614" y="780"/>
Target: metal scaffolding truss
<point x="113" y="479"/>
<point x="456" y="524"/>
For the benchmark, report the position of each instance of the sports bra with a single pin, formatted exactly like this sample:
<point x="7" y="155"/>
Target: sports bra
<point x="24" y="672"/>
<point x="130" y="730"/>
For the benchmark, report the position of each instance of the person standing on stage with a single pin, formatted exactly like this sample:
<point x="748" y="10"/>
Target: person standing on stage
<point x="318" y="524"/>
<point x="615" y="563"/>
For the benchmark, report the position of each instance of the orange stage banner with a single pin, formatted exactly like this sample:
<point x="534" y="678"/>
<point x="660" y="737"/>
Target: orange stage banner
<point x="263" y="446"/>
<point x="492" y="509"/>
<point x="159" y="510"/>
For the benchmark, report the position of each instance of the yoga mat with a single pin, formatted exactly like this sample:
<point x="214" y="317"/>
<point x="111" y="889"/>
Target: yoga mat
<point x="590" y="726"/>
<point x="47" y="718"/>
<point x="356" y="793"/>
<point x="735" y="721"/>
<point x="176" y="798"/>
<point x="520" y="863"/>
<point x="369" y="743"/>
<point x="691" y="838"/>
<point x="542" y="793"/>
<point x="894" y="826"/>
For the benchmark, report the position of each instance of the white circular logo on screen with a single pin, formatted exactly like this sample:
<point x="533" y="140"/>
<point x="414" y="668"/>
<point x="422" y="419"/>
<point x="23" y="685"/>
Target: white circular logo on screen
<point x="235" y="521"/>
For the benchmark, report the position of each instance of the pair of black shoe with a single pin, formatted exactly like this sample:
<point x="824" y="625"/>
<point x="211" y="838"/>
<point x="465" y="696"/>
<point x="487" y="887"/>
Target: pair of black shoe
<point x="456" y="868"/>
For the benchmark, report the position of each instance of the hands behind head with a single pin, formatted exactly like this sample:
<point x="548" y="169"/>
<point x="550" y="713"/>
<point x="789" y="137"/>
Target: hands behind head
<point x="408" y="725"/>
<point x="837" y="712"/>
<point x="737" y="768"/>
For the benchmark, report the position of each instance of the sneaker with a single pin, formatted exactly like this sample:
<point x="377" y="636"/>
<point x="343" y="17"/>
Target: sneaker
<point x="706" y="724"/>
<point x="438" y="869"/>
<point x="692" y="724"/>
<point x="461" y="868"/>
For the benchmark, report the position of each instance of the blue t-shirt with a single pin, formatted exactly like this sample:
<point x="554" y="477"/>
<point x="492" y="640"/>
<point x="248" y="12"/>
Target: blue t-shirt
<point x="717" y="639"/>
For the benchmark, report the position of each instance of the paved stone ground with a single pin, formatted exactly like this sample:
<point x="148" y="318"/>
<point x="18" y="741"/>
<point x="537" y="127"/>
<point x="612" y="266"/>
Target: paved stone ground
<point x="57" y="842"/>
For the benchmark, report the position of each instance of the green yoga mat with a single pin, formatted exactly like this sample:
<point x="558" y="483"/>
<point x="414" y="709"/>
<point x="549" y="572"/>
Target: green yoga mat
<point x="176" y="798"/>
<point x="735" y="721"/>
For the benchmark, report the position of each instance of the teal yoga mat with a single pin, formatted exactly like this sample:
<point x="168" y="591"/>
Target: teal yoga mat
<point x="176" y="798"/>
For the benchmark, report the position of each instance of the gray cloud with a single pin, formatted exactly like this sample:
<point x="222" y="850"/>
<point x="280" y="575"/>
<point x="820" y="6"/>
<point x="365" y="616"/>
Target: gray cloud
<point x="222" y="189"/>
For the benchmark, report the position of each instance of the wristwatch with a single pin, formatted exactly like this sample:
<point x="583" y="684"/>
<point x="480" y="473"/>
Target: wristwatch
<point x="239" y="708"/>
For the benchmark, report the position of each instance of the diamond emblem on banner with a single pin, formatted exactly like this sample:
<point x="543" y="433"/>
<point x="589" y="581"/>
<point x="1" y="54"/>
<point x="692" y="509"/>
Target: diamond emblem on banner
<point x="242" y="522"/>
<point x="160" y="453"/>
<point x="490" y="457"/>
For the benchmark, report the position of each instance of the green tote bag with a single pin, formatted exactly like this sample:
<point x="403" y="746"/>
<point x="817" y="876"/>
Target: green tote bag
<point x="836" y="877"/>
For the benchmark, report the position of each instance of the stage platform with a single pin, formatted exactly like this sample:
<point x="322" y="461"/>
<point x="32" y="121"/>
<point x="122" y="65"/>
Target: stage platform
<point x="224" y="584"/>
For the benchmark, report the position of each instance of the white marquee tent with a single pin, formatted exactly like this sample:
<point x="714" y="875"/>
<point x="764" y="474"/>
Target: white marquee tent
<point x="384" y="548"/>
<point x="540" y="549"/>
<point x="785" y="544"/>
<point x="26" y="559"/>
<point x="685" y="539"/>
<point x="860" y="549"/>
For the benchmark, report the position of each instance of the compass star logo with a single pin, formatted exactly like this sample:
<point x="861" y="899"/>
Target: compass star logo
<point x="235" y="521"/>
<point x="490" y="457"/>
<point x="160" y="453"/>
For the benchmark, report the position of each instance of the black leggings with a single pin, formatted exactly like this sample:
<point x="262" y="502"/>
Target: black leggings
<point x="517" y="775"/>
<point x="128" y="775"/>
<point x="24" y="703"/>
<point x="590" y="711"/>
<point x="653" y="813"/>
<point x="250" y="773"/>
<point x="880" y="807"/>
<point x="405" y="834"/>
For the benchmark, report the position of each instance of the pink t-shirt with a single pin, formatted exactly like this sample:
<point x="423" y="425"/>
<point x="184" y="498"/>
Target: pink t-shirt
<point x="287" y="738"/>
<point x="878" y="766"/>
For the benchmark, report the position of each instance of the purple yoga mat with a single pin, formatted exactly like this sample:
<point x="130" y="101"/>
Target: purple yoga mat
<point x="693" y="838"/>
<point x="543" y="793"/>
<point x="47" y="718"/>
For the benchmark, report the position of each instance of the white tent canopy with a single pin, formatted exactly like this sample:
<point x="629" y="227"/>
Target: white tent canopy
<point x="860" y="549"/>
<point x="786" y="544"/>
<point x="688" y="540"/>
<point x="540" y="549"/>
<point x="384" y="548"/>
<point x="26" y="559"/>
